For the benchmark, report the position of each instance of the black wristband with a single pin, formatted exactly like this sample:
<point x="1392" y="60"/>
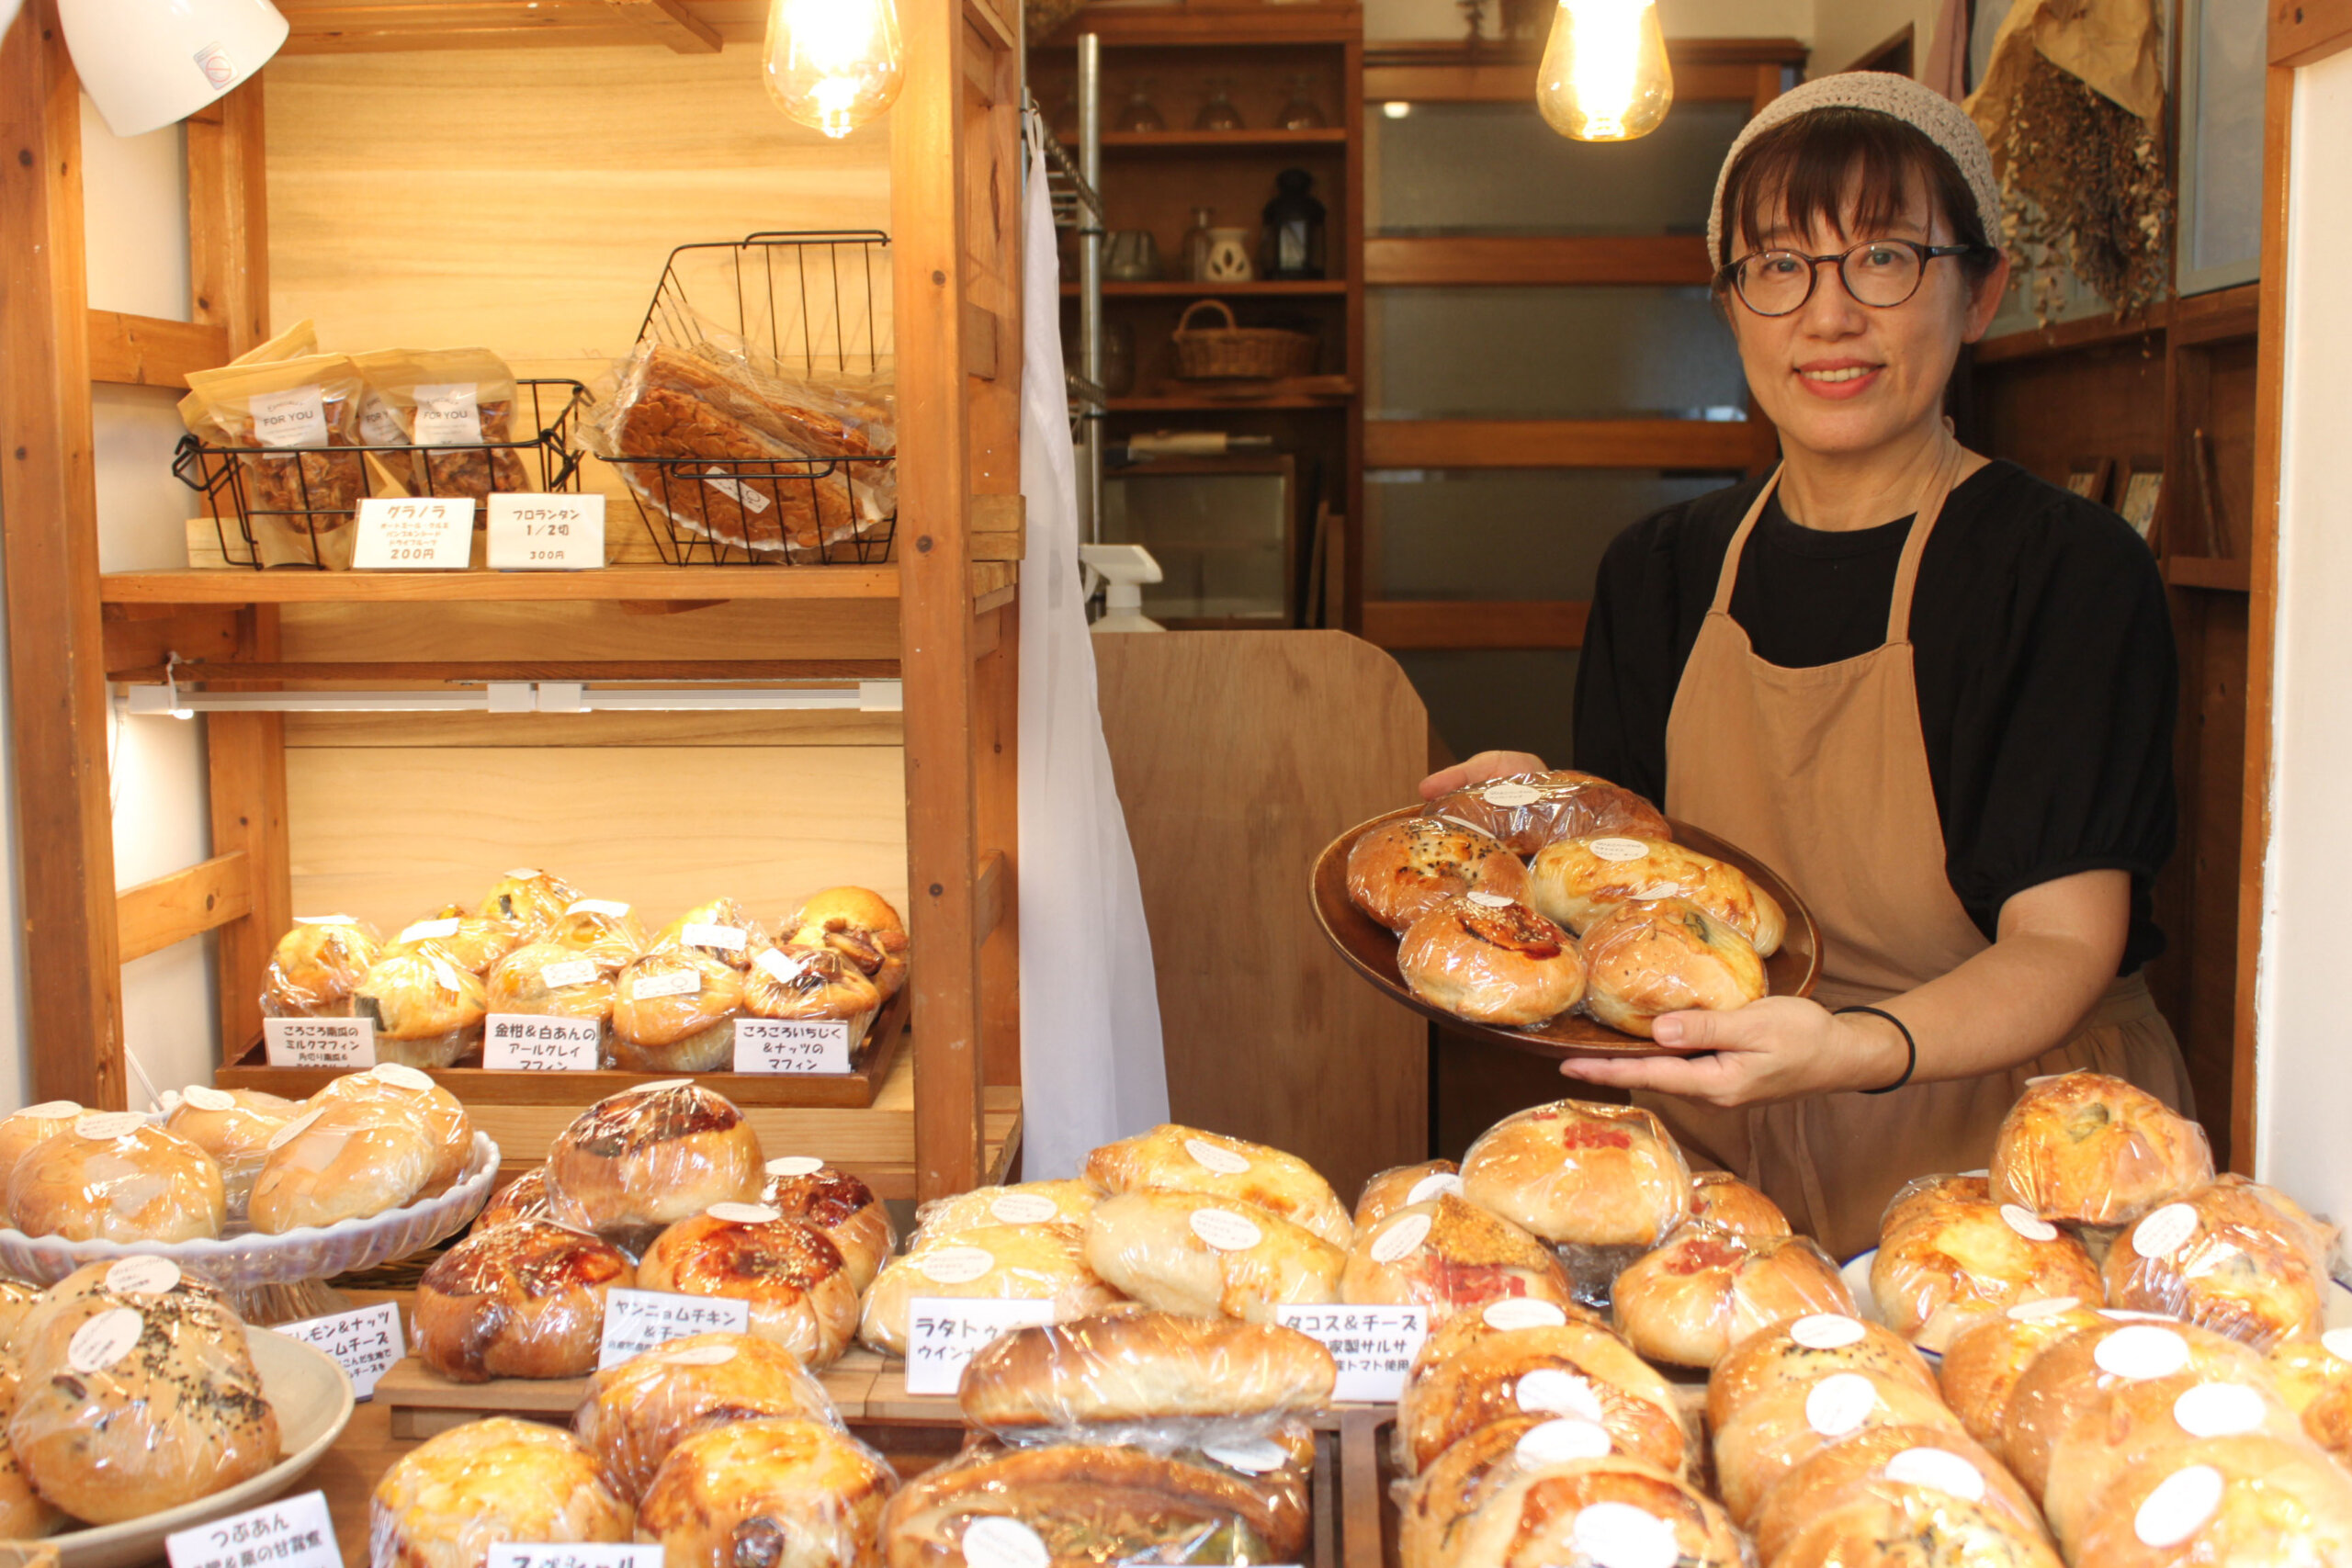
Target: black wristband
<point x="1909" y="1044"/>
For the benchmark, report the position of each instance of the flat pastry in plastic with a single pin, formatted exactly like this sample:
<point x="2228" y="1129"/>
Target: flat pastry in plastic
<point x="524" y="1299"/>
<point x="1402" y="869"/>
<point x="1137" y="1367"/>
<point x="1043" y="1263"/>
<point x="1527" y="811"/>
<point x="1595" y="1513"/>
<point x="1883" y="1462"/>
<point x="2080" y="1374"/>
<point x="1719" y="1199"/>
<point x="1171" y="1159"/>
<point x="1772" y="1433"/>
<point x="443" y="1114"/>
<point x="2089" y="1149"/>
<point x="316" y="966"/>
<point x="1191" y="1252"/>
<point x="344" y="1160"/>
<point x="799" y="1288"/>
<point x="1449" y="1255"/>
<point x="1579" y="881"/>
<point x="1458" y="1385"/>
<point x="769" y="1491"/>
<point x="1579" y="1171"/>
<point x="2235" y="1256"/>
<point x="114" y="1175"/>
<point x="1706" y="1288"/>
<point x="1645" y="959"/>
<point x="2248" y="1501"/>
<point x="1800" y="1353"/>
<point x="634" y="1414"/>
<point x="1064" y="1202"/>
<point x="448" y="1501"/>
<point x="1943" y="1262"/>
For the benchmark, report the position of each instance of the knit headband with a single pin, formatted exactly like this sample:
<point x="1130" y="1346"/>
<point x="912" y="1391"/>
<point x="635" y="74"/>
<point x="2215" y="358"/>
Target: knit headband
<point x="1917" y="105"/>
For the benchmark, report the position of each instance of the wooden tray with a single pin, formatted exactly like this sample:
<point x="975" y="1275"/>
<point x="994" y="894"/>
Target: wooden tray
<point x="1371" y="948"/>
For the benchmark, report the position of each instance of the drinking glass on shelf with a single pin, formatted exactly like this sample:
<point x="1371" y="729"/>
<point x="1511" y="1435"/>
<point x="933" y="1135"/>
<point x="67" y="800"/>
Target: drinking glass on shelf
<point x="1300" y="113"/>
<point x="1218" y="113"/>
<point x="1139" y="114"/>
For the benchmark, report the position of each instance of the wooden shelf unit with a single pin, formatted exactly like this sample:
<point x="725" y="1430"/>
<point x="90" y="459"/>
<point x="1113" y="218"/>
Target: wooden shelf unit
<point x="945" y="1114"/>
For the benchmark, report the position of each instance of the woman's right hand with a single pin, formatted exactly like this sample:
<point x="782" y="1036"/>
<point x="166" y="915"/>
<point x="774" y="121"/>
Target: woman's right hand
<point x="1478" y="770"/>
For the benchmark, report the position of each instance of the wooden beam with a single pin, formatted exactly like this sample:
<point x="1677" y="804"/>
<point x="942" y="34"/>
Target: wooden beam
<point x="48" y="535"/>
<point x="1558" y="444"/>
<point x="990" y="892"/>
<point x="206" y="896"/>
<point x="1398" y="624"/>
<point x="2303" y="32"/>
<point x="147" y="351"/>
<point x="1517" y="260"/>
<point x="670" y="21"/>
<point x="979" y="341"/>
<point x="454" y="672"/>
<point x="999" y="527"/>
<point x="228" y="219"/>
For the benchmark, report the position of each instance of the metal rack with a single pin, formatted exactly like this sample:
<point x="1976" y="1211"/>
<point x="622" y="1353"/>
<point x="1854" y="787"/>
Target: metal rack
<point x="1075" y="185"/>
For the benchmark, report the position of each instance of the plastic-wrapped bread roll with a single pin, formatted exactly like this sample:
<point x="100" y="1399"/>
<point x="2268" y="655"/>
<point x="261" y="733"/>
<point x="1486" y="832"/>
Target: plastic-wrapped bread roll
<point x="448" y="1501"/>
<point x="2130" y="1424"/>
<point x="1599" y="1513"/>
<point x="1138" y="1368"/>
<point x="1449" y="1255"/>
<point x="1577" y="880"/>
<point x="524" y="1198"/>
<point x="17" y="1299"/>
<point x="840" y="1206"/>
<point x="2248" y="1502"/>
<point x="534" y="899"/>
<point x="21" y="1131"/>
<point x="778" y="1491"/>
<point x="811" y="983"/>
<point x="1491" y="961"/>
<point x="24" y="1514"/>
<point x="1038" y="1263"/>
<point x="1771" y="1435"/>
<point x="721" y="928"/>
<point x="674" y="1012"/>
<point x="1439" y="1503"/>
<point x="640" y="1159"/>
<point x="113" y="1175"/>
<point x="1578" y="1172"/>
<point x="797" y="1286"/>
<point x="520" y="1300"/>
<point x="1645" y="959"/>
<point x="1718" y="1198"/>
<point x="1801" y="1353"/>
<point x="2084" y="1148"/>
<point x="317" y="965"/>
<point x="603" y="929"/>
<point x="2237" y="1257"/>
<point x="235" y="1126"/>
<point x="1401" y="870"/>
<point x="2078" y="1374"/>
<point x="1913" y="1526"/>
<point x="443" y="1115"/>
<point x="136" y="1402"/>
<point x="345" y="1160"/>
<point x="1391" y="1189"/>
<point x="1189" y="1252"/>
<point x="472" y="943"/>
<point x="1983" y="1360"/>
<point x="634" y="1414"/>
<point x="145" y="1277"/>
<point x="1527" y="811"/>
<point x="1707" y="1288"/>
<point x="1882" y="1461"/>
<point x="1065" y="1202"/>
<point x="1171" y="1159"/>
<point x="1459" y="1384"/>
<point x="2314" y="1375"/>
<point x="859" y="924"/>
<point x="427" y="1012"/>
<point x="542" y="980"/>
<point x="1943" y="1263"/>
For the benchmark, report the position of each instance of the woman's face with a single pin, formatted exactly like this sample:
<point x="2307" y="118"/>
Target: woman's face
<point x="1840" y="377"/>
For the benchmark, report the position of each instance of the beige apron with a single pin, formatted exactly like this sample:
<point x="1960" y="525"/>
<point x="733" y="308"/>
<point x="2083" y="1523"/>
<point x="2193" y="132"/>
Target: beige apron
<point x="1822" y="774"/>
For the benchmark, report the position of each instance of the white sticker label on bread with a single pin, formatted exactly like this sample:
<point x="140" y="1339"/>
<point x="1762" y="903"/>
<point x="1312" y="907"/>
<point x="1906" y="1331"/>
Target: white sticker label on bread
<point x="662" y="1086"/>
<point x="320" y="1042"/>
<point x="523" y="873"/>
<point x="1510" y="795"/>
<point x="726" y="939"/>
<point x="1257" y="1456"/>
<point x="1826" y="1331"/>
<point x="2178" y="1506"/>
<point x="2027" y="1224"/>
<point x="2219" y="1410"/>
<point x="1406" y="1233"/>
<point x="1490" y="900"/>
<point x="636" y="1321"/>
<point x="1941" y="1469"/>
<point x="1430" y="1188"/>
<point x="954" y="1265"/>
<point x="567" y="972"/>
<point x="743" y="1213"/>
<point x="743" y="495"/>
<point x="424" y="930"/>
<point x="400" y="1075"/>
<point x="1549" y="1391"/>
<point x="203" y="1096"/>
<point x="945" y="1333"/>
<point x="142" y="1275"/>
<point x="995" y="1541"/>
<point x="1226" y="1231"/>
<point x="1521" y="1313"/>
<point x="1839" y="1402"/>
<point x="2338" y="1342"/>
<point x="2141" y="1351"/>
<point x="1373" y="1345"/>
<point x="795" y="1164"/>
<point x="1023" y="1209"/>
<point x="610" y="909"/>
<point x="1559" y="1442"/>
<point x="1619" y="1535"/>
<point x="677" y="983"/>
<point x="2049" y="1306"/>
<point x="326" y="920"/>
<point x="2165" y="1231"/>
<point x="1617" y="849"/>
<point x="293" y="1130"/>
<point x="104" y="1339"/>
<point x="1216" y="1157"/>
<point x="49" y="1110"/>
<point x="105" y="1127"/>
<point x="695" y="1355"/>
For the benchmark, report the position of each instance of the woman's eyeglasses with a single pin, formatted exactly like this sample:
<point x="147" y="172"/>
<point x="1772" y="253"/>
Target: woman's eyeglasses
<point x="1879" y="273"/>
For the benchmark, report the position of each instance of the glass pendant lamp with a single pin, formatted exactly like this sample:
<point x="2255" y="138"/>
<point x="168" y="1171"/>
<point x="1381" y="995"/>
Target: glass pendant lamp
<point x="833" y="65"/>
<point x="1604" y="76"/>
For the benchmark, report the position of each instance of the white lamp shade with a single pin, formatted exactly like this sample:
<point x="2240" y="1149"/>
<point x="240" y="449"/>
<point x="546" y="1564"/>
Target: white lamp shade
<point x="149" y="62"/>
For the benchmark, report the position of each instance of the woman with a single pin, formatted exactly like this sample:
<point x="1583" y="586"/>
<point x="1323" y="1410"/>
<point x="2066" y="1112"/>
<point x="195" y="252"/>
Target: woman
<point x="1934" y="692"/>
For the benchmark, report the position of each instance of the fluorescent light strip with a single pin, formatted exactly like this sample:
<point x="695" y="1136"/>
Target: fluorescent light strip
<point x="521" y="697"/>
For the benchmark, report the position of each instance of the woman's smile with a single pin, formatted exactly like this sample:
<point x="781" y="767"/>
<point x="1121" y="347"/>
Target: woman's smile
<point x="1839" y="379"/>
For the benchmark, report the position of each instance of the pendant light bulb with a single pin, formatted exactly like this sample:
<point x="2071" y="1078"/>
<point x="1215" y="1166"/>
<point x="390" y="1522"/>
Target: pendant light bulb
<point x="833" y="65"/>
<point x="1604" y="76"/>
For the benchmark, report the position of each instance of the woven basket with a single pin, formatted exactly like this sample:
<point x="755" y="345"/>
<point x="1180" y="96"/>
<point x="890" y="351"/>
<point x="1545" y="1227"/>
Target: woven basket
<point x="1232" y="353"/>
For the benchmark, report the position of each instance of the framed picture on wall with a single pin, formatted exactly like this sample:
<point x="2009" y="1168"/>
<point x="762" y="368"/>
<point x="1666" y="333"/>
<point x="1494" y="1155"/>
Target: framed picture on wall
<point x="2143" y="483"/>
<point x="2090" y="477"/>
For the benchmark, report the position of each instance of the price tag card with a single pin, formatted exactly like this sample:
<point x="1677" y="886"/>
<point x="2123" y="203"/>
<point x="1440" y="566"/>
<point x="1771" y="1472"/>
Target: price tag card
<point x="432" y="532"/>
<point x="320" y="1042"/>
<point x="364" y="1343"/>
<point x="1374" y="1345"/>
<point x="791" y="1046"/>
<point x="293" y="1532"/>
<point x="546" y="533"/>
<point x="527" y="1042"/>
<point x="636" y="1321"/>
<point x="572" y="1554"/>
<point x="945" y="1332"/>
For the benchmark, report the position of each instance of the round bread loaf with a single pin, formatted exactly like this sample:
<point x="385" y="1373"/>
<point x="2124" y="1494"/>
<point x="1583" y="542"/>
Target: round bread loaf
<point x="427" y="1012"/>
<point x="2088" y="1149"/>
<point x="1527" y="811"/>
<point x="1171" y="1159"/>
<point x="1127" y="1366"/>
<point x="1064" y="1202"/>
<point x="775" y="1491"/>
<point x="1985" y="1357"/>
<point x="120" y="1276"/>
<point x="235" y="1126"/>
<point x="1881" y="1461"/>
<point x="652" y="1154"/>
<point x="857" y="923"/>
<point x="1943" y="1262"/>
<point x="17" y="1301"/>
<point x="24" y="1514"/>
<point x="542" y="980"/>
<point x="1039" y="1263"/>
<point x="1565" y="1369"/>
<point x="1449" y="1255"/>
<point x="1193" y="1253"/>
<point x="1391" y="1189"/>
<point x="1577" y="880"/>
<point x="524" y="1299"/>
<point x="1718" y="1198"/>
<point x="21" y="1131"/>
<point x="1708" y="1289"/>
<point x="1401" y="870"/>
<point x="2249" y="1502"/>
<point x="814" y="983"/>
<point x="114" y="1175"/>
<point x="1914" y="1527"/>
<point x="534" y="899"/>
<point x="1770" y="1434"/>
<point x="1440" y="1502"/>
<point x="448" y="1501"/>
<point x="444" y="1116"/>
<point x="1800" y="1353"/>
<point x="1925" y="1195"/>
<point x="674" y="1012"/>
<point x="797" y="1286"/>
<point x="1645" y="959"/>
<point x="632" y="1414"/>
<point x="2235" y="1256"/>
<point x="472" y="943"/>
<point x="2078" y="1375"/>
<point x="524" y="1198"/>
<point x="839" y="1205"/>
<point x="2132" y="1424"/>
<point x="1592" y="1513"/>
<point x="344" y="1160"/>
<point x="1491" y="961"/>
<point x="2316" y="1381"/>
<point x="317" y="965"/>
<point x="600" y="929"/>
<point x="1582" y="1172"/>
<point x="721" y="928"/>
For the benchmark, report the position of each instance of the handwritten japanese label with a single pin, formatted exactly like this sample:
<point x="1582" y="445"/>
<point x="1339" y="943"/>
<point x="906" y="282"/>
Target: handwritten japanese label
<point x="943" y="1332"/>
<point x="434" y="531"/>
<point x="528" y="1042"/>
<point x="791" y="1046"/>
<point x="636" y="1321"/>
<point x="556" y="1554"/>
<point x="364" y="1343"/>
<point x="1374" y="1345"/>
<point x="293" y="1532"/>
<point x="546" y="533"/>
<point x="320" y="1042"/>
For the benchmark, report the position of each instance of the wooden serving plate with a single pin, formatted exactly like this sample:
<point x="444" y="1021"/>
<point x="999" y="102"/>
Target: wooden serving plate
<point x="1371" y="948"/>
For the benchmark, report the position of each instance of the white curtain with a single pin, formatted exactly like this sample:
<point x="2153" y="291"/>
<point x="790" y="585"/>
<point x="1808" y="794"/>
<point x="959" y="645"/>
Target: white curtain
<point x="1090" y="1063"/>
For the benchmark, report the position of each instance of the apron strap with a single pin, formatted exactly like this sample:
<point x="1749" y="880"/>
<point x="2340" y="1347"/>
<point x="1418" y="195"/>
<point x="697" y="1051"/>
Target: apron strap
<point x="1906" y="571"/>
<point x="1729" y="575"/>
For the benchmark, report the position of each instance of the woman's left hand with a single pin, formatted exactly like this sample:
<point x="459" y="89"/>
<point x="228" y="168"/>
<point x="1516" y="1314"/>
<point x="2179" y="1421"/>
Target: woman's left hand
<point x="1778" y="1048"/>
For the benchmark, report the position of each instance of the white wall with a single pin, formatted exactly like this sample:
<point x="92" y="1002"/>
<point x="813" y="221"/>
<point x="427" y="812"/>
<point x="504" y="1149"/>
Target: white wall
<point x="1842" y="30"/>
<point x="2303" y="1070"/>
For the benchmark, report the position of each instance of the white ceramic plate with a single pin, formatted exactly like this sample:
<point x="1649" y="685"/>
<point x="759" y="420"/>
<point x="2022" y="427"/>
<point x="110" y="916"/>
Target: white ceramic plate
<point x="1857" y="1279"/>
<point x="313" y="1403"/>
<point x="313" y="1252"/>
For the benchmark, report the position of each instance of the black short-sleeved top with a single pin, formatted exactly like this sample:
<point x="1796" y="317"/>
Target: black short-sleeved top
<point x="2043" y="656"/>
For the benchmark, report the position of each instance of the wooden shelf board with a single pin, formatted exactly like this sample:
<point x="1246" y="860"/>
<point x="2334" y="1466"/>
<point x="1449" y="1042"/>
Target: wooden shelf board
<point x="1184" y="288"/>
<point x="1213" y="26"/>
<point x="633" y="584"/>
<point x="2207" y="571"/>
<point x="1218" y="141"/>
<point x="1198" y="403"/>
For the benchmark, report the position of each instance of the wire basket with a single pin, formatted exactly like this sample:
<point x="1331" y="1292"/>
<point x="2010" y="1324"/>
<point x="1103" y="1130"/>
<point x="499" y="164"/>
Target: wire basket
<point x="812" y="307"/>
<point x="296" y="506"/>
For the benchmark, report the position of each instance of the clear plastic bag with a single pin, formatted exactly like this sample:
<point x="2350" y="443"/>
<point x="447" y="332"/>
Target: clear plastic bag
<point x="650" y="1156"/>
<point x="1800" y="1353"/>
<point x="472" y="943"/>
<point x="92" y="1279"/>
<point x="544" y="980"/>
<point x="1707" y="1288"/>
<point x="1171" y="1159"/>
<point x="1886" y="1462"/>
<point x="1986" y="1357"/>
<point x="456" y="398"/>
<point x="631" y="1415"/>
<point x="1465" y="1379"/>
<point x="799" y="1288"/>
<point x="443" y="1114"/>
<point x="1944" y="1258"/>
<point x="2316" y="1381"/>
<point x="309" y="406"/>
<point x="524" y="1300"/>
<point x="1718" y="1198"/>
<point x="2077" y="1374"/>
<point x="1932" y="1526"/>
<point x="1582" y="1172"/>
<point x="1778" y="1429"/>
<point x="810" y="983"/>
<point x="1646" y="958"/>
<point x="1577" y="880"/>
<point x="133" y="1403"/>
<point x="1527" y="811"/>
<point x="599" y="929"/>
<point x="1193" y="1253"/>
<point x="23" y="1130"/>
<point x="1598" y="1513"/>
<point x="535" y="898"/>
<point x="2236" y="1257"/>
<point x="1401" y="870"/>
<point x="721" y="928"/>
<point x="2248" y="1502"/>
<point x="113" y="1175"/>
<point x="674" y="1012"/>
<point x="428" y="1012"/>
<point x="794" y="1494"/>
<point x="448" y="1501"/>
<point x="837" y="1204"/>
<point x="1067" y="1202"/>
<point x="1391" y="1189"/>
<point x="1450" y="1256"/>
<point x="1491" y="961"/>
<point x="234" y="1127"/>
<point x="1434" y="1508"/>
<point x="316" y="966"/>
<point x="1158" y="1380"/>
<point x="1043" y="1263"/>
<point x="859" y="924"/>
<point x="524" y="1198"/>
<point x="343" y="1160"/>
<point x="2088" y="1149"/>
